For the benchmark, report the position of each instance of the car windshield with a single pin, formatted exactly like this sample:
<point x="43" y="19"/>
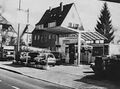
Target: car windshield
<point x="50" y="56"/>
<point x="33" y="54"/>
<point x="57" y="54"/>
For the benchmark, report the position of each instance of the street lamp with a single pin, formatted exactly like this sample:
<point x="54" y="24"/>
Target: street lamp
<point x="18" y="37"/>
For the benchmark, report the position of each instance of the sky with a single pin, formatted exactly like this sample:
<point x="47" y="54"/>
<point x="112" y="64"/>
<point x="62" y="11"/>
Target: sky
<point x="88" y="10"/>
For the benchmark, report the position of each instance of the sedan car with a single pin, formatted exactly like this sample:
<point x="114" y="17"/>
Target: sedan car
<point x="28" y="56"/>
<point x="45" y="58"/>
<point x="58" y="56"/>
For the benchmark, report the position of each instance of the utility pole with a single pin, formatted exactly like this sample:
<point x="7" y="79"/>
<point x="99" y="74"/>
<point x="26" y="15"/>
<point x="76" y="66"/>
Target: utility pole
<point x="18" y="38"/>
<point x="27" y="24"/>
<point x="79" y="48"/>
<point x="27" y="33"/>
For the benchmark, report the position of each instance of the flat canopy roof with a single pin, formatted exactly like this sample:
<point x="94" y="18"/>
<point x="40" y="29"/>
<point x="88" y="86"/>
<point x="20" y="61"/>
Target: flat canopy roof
<point x="61" y="30"/>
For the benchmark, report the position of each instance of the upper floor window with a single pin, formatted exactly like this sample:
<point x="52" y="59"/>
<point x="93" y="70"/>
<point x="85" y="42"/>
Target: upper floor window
<point x="97" y="41"/>
<point x="52" y="24"/>
<point x="38" y="37"/>
<point x="35" y="37"/>
<point x="101" y="41"/>
<point x="49" y="37"/>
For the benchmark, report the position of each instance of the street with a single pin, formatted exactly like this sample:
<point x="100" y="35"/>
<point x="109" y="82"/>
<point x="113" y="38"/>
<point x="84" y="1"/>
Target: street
<point x="10" y="80"/>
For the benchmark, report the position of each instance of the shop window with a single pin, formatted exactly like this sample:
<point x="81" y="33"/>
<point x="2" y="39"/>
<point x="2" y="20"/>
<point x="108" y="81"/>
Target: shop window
<point x="97" y="51"/>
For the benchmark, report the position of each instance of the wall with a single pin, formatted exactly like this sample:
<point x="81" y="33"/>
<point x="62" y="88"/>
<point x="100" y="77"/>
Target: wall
<point x="114" y="49"/>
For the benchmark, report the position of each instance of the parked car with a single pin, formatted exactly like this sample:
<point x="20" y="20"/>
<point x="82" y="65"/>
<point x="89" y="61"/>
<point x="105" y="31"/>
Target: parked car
<point x="108" y="66"/>
<point x="24" y="56"/>
<point x="59" y="57"/>
<point x="28" y="56"/>
<point x="44" y="58"/>
<point x="10" y="55"/>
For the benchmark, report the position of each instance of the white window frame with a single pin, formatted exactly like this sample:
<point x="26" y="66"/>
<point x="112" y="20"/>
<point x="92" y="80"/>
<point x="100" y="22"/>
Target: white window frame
<point x="97" y="41"/>
<point x="35" y="37"/>
<point x="101" y="41"/>
<point x="52" y="24"/>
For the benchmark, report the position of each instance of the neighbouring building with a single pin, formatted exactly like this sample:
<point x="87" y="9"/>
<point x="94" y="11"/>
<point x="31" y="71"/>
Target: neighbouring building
<point x="26" y="36"/>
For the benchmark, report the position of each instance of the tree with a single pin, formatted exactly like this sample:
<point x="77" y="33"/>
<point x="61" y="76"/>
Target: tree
<point x="104" y="25"/>
<point x="12" y="41"/>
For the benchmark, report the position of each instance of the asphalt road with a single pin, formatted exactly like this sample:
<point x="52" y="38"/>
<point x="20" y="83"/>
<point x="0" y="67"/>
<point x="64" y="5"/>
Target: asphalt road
<point x="10" y="80"/>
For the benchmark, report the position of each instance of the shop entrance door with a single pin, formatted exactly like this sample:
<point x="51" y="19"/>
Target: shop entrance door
<point x="71" y="53"/>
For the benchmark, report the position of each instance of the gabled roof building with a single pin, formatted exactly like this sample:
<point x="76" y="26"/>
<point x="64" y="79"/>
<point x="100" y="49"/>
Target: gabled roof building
<point x="57" y="25"/>
<point x="56" y="21"/>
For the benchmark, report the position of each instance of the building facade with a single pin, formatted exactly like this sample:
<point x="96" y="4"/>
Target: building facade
<point x="58" y="31"/>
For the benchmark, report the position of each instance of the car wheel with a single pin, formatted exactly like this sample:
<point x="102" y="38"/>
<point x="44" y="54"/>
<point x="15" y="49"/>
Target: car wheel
<point x="53" y="65"/>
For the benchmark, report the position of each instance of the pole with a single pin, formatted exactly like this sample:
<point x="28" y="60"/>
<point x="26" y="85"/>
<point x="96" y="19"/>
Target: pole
<point x="79" y="46"/>
<point x="27" y="33"/>
<point x="18" y="38"/>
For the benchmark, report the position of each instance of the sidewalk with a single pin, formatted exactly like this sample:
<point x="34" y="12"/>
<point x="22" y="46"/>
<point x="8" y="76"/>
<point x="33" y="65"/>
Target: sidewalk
<point x="70" y="76"/>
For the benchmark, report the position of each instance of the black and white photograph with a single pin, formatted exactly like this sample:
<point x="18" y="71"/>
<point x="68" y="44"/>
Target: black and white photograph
<point x="59" y="44"/>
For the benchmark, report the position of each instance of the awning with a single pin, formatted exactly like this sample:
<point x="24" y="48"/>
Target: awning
<point x="87" y="36"/>
<point x="60" y="30"/>
<point x="90" y="36"/>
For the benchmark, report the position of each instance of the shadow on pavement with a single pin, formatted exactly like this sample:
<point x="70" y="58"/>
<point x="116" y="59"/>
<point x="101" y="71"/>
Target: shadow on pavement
<point x="14" y="65"/>
<point x="57" y="87"/>
<point x="101" y="81"/>
<point x="88" y="71"/>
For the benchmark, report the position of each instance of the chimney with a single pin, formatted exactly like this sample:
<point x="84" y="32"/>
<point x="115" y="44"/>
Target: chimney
<point x="61" y="6"/>
<point x="50" y="8"/>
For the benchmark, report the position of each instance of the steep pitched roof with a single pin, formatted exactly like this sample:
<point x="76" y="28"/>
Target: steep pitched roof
<point x="3" y="20"/>
<point x="55" y="15"/>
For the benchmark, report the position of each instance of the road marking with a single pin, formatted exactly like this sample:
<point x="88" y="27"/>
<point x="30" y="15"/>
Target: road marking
<point x="15" y="87"/>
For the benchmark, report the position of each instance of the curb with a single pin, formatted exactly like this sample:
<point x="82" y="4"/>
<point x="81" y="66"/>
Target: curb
<point x="11" y="70"/>
<point x="34" y="77"/>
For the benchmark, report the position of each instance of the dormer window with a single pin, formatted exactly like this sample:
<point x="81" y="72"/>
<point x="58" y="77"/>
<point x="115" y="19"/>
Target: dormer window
<point x="70" y="24"/>
<point x="52" y="24"/>
<point x="73" y="25"/>
<point x="40" y="26"/>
